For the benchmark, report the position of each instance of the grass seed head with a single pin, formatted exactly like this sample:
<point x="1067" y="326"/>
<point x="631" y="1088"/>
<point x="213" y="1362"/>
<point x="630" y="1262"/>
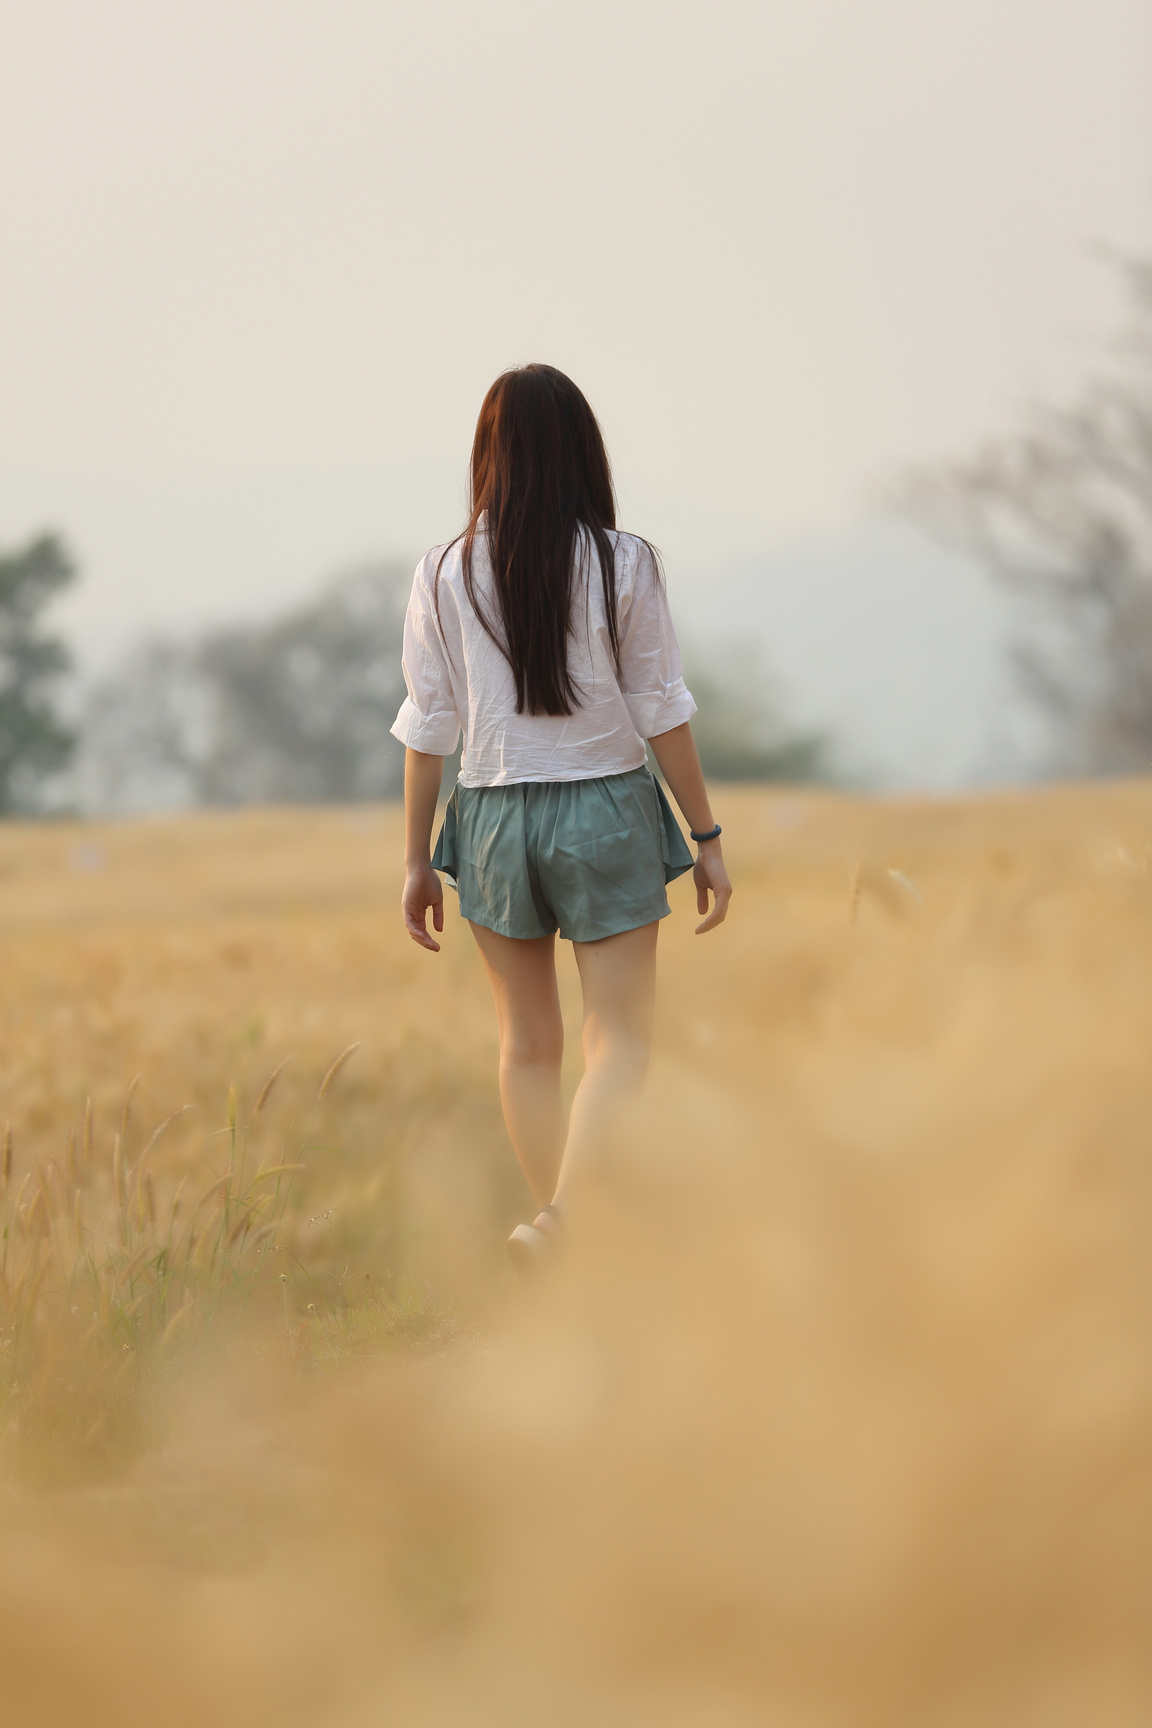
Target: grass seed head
<point x="163" y="1128"/>
<point x="118" y="1172"/>
<point x="6" y="1157"/>
<point x="177" y="1198"/>
<point x="219" y="1187"/>
<point x="86" y="1140"/>
<point x="266" y="1089"/>
<point x="44" y="1180"/>
<point x="73" y="1168"/>
<point x="57" y="1195"/>
<point x="232" y="1106"/>
<point x="149" y="1199"/>
<point x="274" y="1173"/>
<point x="126" y="1112"/>
<point x="205" y="1249"/>
<point x="343" y="1057"/>
<point x="239" y="1229"/>
<point x="136" y="1202"/>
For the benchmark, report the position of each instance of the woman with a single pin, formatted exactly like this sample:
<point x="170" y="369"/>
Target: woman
<point x="544" y="634"/>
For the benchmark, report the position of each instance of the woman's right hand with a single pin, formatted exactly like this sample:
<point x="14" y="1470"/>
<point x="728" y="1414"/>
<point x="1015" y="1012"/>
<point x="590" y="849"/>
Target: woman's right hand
<point x="710" y="873"/>
<point x="422" y="889"/>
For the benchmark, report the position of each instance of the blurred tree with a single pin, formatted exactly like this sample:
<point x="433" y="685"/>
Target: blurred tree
<point x="144" y="731"/>
<point x="739" y="729"/>
<point x="302" y="707"/>
<point x="1062" y="513"/>
<point x="293" y="711"/>
<point x="34" y="741"/>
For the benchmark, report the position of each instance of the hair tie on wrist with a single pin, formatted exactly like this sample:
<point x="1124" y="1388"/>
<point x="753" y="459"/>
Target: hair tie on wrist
<point x="712" y="834"/>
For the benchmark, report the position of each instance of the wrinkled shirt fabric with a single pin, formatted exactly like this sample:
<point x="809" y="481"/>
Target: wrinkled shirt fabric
<point x="459" y="680"/>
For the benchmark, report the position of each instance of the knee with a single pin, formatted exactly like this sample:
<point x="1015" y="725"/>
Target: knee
<point x="623" y="1051"/>
<point x="531" y="1045"/>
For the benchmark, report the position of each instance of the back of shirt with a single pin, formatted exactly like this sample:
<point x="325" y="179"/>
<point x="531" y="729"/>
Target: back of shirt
<point x="459" y="680"/>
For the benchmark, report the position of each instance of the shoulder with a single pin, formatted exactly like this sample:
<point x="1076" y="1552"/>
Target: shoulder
<point x="637" y="562"/>
<point x="439" y="564"/>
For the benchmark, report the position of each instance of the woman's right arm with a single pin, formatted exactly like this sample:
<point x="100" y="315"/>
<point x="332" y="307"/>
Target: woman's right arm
<point x="428" y="725"/>
<point x="422" y="776"/>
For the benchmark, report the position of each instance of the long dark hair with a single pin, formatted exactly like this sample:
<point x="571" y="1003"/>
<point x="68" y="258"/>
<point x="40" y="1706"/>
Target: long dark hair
<point x="541" y="478"/>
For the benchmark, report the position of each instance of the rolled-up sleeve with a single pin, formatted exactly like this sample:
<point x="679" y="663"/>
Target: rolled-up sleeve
<point x="428" y="719"/>
<point x="651" y="680"/>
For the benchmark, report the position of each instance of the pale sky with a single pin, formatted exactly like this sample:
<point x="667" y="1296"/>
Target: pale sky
<point x="259" y="260"/>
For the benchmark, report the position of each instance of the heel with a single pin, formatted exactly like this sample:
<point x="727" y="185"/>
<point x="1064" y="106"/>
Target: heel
<point x="529" y="1249"/>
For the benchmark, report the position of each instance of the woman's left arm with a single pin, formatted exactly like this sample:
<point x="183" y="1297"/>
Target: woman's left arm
<point x="675" y="752"/>
<point x="422" y="776"/>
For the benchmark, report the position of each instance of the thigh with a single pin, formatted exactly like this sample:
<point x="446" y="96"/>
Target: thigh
<point x="522" y="973"/>
<point x="618" y="978"/>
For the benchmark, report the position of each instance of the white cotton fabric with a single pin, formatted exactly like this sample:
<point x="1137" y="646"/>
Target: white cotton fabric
<point x="459" y="681"/>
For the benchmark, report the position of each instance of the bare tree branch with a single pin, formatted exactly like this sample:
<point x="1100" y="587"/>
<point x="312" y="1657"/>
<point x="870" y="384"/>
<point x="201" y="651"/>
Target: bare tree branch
<point x="1061" y="512"/>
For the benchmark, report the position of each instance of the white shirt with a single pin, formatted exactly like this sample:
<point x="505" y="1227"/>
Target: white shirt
<point x="458" y="680"/>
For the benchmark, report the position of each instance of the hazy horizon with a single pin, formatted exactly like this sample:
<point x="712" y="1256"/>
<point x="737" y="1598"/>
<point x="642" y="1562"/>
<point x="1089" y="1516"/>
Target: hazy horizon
<point x="261" y="262"/>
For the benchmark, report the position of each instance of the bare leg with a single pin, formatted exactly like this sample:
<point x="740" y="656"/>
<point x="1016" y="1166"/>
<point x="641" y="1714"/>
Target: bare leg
<point x="618" y="976"/>
<point x="523" y="979"/>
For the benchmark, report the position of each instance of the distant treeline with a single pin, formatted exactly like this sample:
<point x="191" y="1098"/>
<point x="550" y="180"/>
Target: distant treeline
<point x="295" y="710"/>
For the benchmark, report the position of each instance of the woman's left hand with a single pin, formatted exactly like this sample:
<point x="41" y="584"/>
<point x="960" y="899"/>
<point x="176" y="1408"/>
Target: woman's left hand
<point x="422" y="890"/>
<point x="710" y="874"/>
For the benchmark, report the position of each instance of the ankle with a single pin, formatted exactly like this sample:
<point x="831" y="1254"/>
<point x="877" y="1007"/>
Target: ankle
<point x="549" y="1221"/>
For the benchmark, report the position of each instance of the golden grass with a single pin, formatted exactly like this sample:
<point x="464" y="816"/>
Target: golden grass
<point x="841" y="1415"/>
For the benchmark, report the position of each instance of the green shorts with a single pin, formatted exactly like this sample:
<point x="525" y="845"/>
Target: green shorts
<point x="589" y="858"/>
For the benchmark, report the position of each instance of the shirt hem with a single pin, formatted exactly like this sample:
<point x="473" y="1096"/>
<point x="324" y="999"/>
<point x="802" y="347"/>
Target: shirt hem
<point x="599" y="773"/>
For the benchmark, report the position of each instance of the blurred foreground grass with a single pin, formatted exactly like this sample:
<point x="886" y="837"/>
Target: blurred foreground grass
<point x="841" y="1414"/>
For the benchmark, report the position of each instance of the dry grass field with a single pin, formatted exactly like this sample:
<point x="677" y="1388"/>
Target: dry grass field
<point x="840" y="1414"/>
